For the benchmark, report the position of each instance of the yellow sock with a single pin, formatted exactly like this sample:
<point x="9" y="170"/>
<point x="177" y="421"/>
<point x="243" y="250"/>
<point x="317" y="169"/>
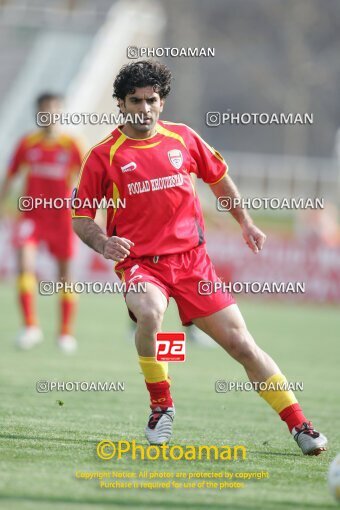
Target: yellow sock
<point x="278" y="399"/>
<point x="153" y="370"/>
<point x="68" y="302"/>
<point x="157" y="381"/>
<point x="26" y="282"/>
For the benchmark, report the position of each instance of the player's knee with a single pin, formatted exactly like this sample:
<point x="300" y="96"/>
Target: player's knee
<point x="150" y="317"/>
<point x="241" y="346"/>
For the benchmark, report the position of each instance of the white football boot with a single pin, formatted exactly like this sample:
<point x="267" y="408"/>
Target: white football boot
<point x="310" y="441"/>
<point x="159" y="428"/>
<point x="28" y="337"/>
<point x="67" y="343"/>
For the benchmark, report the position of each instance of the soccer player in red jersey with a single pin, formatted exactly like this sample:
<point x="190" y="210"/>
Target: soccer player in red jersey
<point x="158" y="238"/>
<point x="51" y="159"/>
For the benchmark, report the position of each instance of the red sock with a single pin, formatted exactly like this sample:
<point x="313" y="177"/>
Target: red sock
<point x="68" y="307"/>
<point x="26" y="285"/>
<point x="160" y="394"/>
<point x="26" y="300"/>
<point x="293" y="416"/>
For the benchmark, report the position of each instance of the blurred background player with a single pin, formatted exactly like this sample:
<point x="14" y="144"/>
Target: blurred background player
<point x="51" y="159"/>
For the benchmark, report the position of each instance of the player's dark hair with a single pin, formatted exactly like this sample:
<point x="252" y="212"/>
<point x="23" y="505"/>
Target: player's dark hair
<point x="144" y="73"/>
<point x="47" y="96"/>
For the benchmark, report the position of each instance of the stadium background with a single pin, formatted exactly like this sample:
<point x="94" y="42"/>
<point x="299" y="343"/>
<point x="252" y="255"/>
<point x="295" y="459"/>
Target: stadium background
<point x="278" y="56"/>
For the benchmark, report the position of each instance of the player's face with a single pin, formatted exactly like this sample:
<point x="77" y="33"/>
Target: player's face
<point x="144" y="102"/>
<point x="52" y="106"/>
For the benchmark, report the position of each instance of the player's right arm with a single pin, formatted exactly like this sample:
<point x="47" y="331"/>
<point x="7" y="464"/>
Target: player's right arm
<point x="114" y="248"/>
<point x="89" y="193"/>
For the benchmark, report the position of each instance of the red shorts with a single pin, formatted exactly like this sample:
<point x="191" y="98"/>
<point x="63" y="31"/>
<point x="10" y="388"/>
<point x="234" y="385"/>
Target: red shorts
<point x="179" y="276"/>
<point x="58" y="238"/>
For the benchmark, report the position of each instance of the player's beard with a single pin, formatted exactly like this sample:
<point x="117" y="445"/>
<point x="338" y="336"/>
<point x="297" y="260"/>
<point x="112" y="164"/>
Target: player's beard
<point x="143" y="128"/>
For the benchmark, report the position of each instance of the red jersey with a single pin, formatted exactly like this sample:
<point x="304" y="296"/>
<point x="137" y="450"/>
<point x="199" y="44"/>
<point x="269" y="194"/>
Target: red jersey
<point x="51" y="165"/>
<point x="157" y="208"/>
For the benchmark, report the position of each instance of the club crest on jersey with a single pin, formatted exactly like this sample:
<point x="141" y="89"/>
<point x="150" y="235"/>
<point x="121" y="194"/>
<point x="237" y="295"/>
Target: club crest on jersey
<point x="175" y="158"/>
<point x="129" y="167"/>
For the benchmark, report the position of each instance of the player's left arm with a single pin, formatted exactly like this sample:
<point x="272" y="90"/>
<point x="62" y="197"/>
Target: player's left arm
<point x="253" y="236"/>
<point x="209" y="165"/>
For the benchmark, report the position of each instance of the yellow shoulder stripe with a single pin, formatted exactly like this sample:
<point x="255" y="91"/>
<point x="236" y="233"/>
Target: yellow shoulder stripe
<point x="34" y="137"/>
<point x="116" y="146"/>
<point x="87" y="157"/>
<point x="211" y="149"/>
<point x="166" y="132"/>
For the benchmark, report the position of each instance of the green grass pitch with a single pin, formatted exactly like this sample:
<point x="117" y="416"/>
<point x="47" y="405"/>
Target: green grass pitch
<point x="43" y="444"/>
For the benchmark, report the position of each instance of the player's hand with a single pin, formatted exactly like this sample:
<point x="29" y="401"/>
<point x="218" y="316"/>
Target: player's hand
<point x="253" y="236"/>
<point x="117" y="248"/>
